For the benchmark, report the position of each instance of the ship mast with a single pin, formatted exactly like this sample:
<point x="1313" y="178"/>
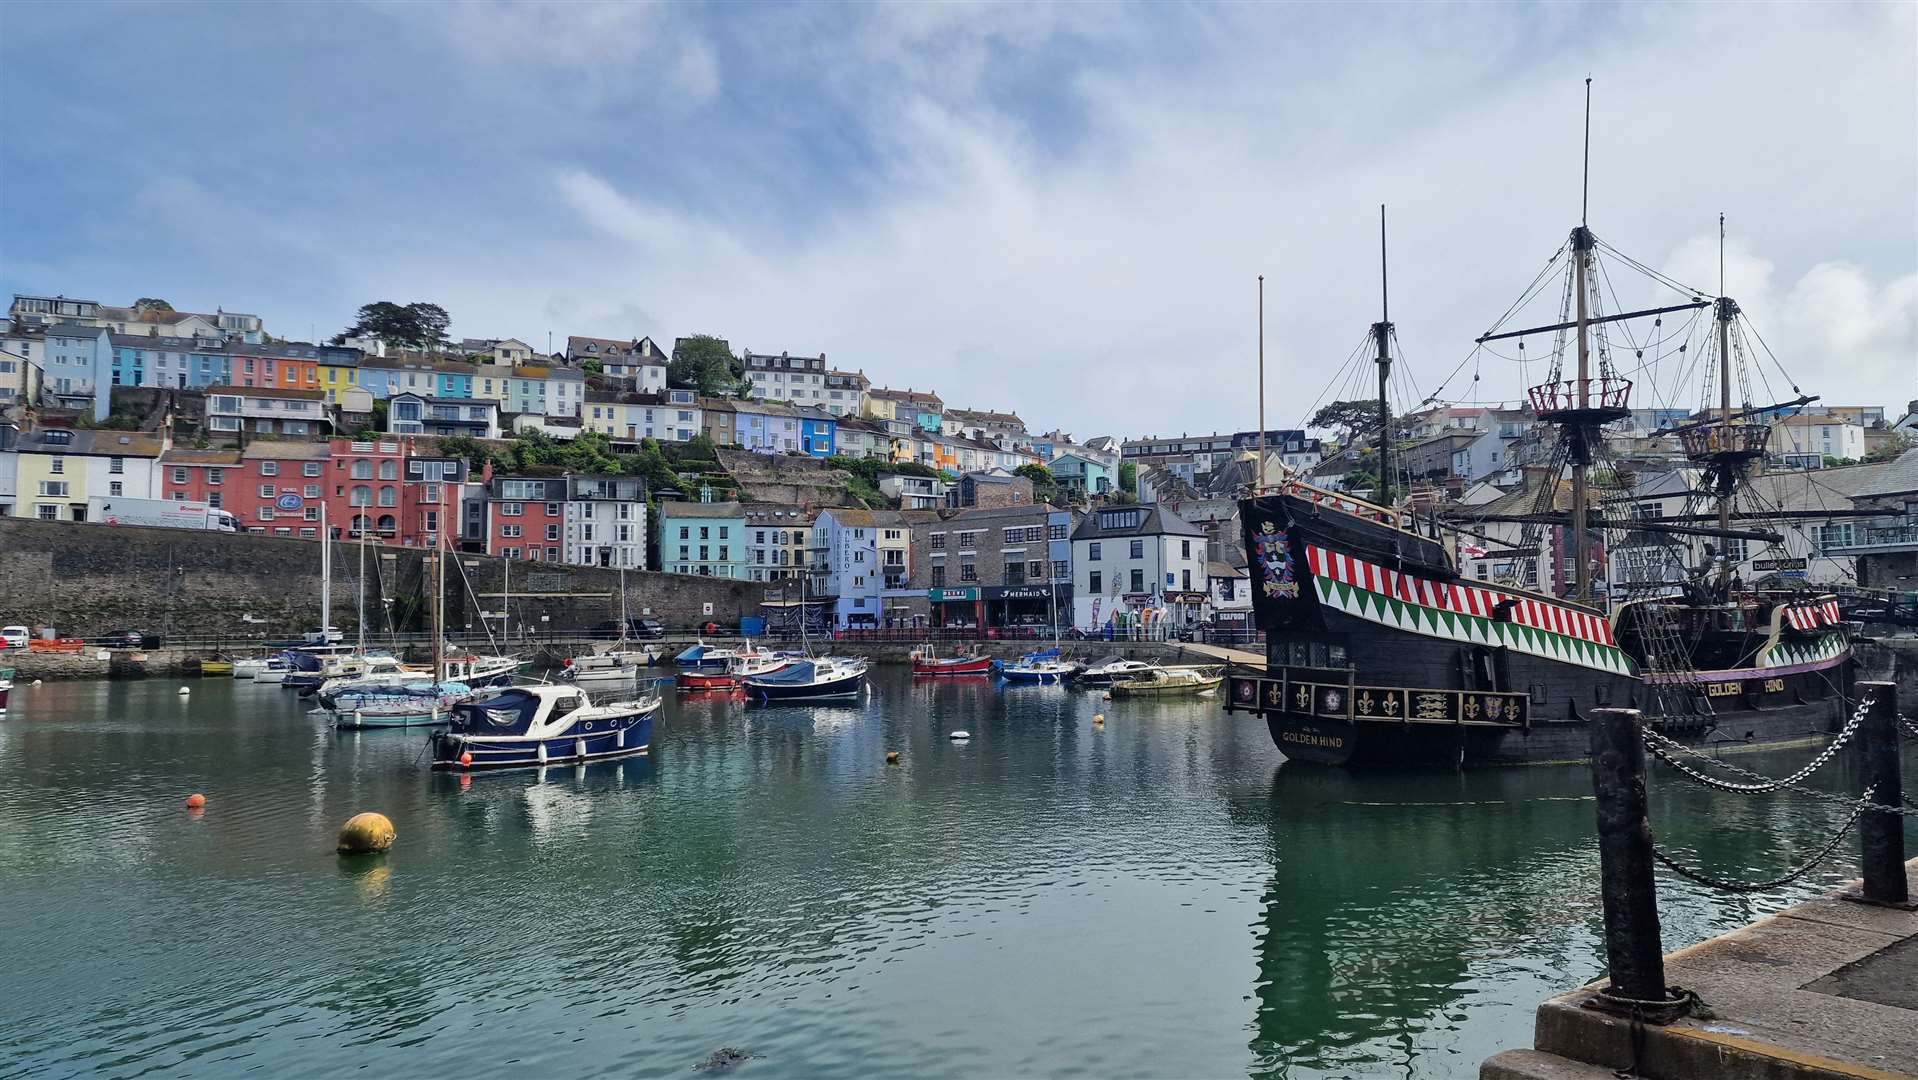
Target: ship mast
<point x="1581" y="260"/>
<point x="1382" y="332"/>
<point x="1726" y="309"/>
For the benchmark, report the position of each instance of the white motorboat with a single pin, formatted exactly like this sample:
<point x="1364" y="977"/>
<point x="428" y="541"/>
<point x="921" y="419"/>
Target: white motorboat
<point x="613" y="667"/>
<point x="272" y="670"/>
<point x="1106" y="671"/>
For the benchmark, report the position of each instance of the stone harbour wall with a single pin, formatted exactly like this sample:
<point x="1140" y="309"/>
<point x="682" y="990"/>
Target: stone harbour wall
<point x="86" y="579"/>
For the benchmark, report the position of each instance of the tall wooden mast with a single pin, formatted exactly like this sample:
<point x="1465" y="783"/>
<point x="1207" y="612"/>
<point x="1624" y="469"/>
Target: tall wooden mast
<point x="1581" y="259"/>
<point x="1726" y="310"/>
<point x="1382" y="333"/>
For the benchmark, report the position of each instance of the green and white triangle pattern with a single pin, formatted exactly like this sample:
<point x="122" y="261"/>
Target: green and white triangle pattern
<point x="1460" y="626"/>
<point x="1824" y="647"/>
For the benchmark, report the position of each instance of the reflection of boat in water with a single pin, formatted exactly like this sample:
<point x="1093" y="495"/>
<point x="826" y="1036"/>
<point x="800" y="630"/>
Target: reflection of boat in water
<point x="1392" y="917"/>
<point x="541" y="725"/>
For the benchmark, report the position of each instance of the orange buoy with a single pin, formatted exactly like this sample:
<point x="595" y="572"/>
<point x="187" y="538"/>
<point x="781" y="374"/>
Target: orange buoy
<point x="892" y="757"/>
<point x="466" y="758"/>
<point x="195" y="801"/>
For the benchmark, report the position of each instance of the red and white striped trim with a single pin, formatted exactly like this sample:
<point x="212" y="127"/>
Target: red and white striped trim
<point x="1472" y="600"/>
<point x="1814" y="615"/>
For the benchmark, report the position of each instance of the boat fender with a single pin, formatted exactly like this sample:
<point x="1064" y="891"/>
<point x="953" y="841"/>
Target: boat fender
<point x="466" y="759"/>
<point x="960" y="736"/>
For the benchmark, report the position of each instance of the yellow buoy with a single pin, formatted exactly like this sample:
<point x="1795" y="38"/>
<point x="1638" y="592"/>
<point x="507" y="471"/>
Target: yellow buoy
<point x="1098" y="718"/>
<point x="364" y="833"/>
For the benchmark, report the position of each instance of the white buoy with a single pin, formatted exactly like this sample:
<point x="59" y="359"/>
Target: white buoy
<point x="36" y="682"/>
<point x="960" y="736"/>
<point x="184" y="691"/>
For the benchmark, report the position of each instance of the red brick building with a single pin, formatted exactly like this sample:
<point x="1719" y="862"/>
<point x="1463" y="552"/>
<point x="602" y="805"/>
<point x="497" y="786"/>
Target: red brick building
<point x="380" y="487"/>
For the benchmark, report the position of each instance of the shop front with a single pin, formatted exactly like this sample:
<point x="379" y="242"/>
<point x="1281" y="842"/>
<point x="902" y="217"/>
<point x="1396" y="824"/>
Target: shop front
<point x="1184" y="608"/>
<point x="1029" y="607"/>
<point x="962" y="608"/>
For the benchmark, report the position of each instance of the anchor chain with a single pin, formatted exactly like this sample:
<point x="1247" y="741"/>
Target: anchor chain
<point x="1712" y="881"/>
<point x="1662" y="747"/>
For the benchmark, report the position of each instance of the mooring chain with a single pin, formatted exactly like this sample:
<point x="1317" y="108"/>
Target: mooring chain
<point x="1794" y="874"/>
<point x="1661" y="746"/>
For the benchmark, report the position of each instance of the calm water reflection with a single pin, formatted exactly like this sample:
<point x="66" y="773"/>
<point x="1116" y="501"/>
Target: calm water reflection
<point x="1161" y="897"/>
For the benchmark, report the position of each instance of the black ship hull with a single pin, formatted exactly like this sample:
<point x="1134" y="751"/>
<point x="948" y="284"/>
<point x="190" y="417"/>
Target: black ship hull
<point x="1379" y="654"/>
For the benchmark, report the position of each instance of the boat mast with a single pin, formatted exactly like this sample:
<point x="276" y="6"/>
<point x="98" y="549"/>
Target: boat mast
<point x="1382" y="331"/>
<point x="326" y="576"/>
<point x="439" y="609"/>
<point x="361" y="607"/>
<point x="506" y="608"/>
<point x="1726" y="309"/>
<point x="1581" y="260"/>
<point x="1258" y="482"/>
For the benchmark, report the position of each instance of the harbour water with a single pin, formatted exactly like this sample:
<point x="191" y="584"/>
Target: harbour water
<point x="1158" y="897"/>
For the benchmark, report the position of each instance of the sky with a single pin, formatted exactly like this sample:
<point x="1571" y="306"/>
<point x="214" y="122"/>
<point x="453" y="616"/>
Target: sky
<point x="1060" y="210"/>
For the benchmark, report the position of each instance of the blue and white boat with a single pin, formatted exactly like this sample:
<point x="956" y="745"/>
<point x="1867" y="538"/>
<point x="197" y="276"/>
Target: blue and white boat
<point x="828" y="678"/>
<point x="703" y="657"/>
<point x="531" y="726"/>
<point x="1039" y="667"/>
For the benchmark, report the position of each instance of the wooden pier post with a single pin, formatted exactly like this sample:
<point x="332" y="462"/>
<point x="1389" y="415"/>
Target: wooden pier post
<point x="1882" y="835"/>
<point x="1634" y="950"/>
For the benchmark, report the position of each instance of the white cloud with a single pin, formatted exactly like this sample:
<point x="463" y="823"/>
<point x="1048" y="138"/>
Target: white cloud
<point x="1089" y="259"/>
<point x="597" y="50"/>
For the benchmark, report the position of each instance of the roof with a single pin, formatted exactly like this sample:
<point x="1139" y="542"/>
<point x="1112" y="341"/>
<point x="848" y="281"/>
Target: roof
<point x="989" y="513"/>
<point x="299" y="350"/>
<point x="431" y="400"/>
<point x="205" y="457"/>
<point x="144" y="341"/>
<point x="780" y="513"/>
<point x="424" y="363"/>
<point x="985" y="416"/>
<point x="884" y="394"/>
<point x="74" y="330"/>
<point x="1157" y="521"/>
<point x="680" y="508"/>
<point x="284" y="451"/>
<point x="1215" y="568"/>
<point x="94" y="443"/>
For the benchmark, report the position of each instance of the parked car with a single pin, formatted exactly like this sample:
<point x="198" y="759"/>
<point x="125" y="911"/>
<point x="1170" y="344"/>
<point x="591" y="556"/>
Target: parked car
<point x="130" y="639"/>
<point x="14" y="637"/>
<point x="636" y="629"/>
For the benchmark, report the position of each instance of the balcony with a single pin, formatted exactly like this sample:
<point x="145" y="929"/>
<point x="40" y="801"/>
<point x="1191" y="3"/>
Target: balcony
<point x="1583" y="400"/>
<point x="1725" y="442"/>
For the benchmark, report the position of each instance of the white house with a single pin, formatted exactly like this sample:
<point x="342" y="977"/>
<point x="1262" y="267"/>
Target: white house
<point x="846" y="563"/>
<point x="605" y="521"/>
<point x="1144" y="565"/>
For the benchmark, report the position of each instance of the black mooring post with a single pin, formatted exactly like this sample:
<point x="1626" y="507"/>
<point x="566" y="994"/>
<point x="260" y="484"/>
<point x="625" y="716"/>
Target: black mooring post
<point x="1633" y="948"/>
<point x="1882" y="835"/>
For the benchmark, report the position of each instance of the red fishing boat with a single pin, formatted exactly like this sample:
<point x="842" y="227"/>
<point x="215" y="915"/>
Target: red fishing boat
<point x="738" y="670"/>
<point x="927" y="661"/>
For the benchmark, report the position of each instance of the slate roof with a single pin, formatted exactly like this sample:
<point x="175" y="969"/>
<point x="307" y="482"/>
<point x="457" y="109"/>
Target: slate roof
<point x="1157" y="521"/>
<point x="681" y="508"/>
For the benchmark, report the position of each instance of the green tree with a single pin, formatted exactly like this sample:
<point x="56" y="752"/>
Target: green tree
<point x="704" y="363"/>
<point x="1353" y="420"/>
<point x="150" y="303"/>
<point x="418" y="325"/>
<point x="592" y="367"/>
<point x="1129" y="478"/>
<point x="1045" y="487"/>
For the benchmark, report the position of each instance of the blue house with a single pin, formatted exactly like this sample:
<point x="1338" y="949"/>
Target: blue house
<point x="455" y="384"/>
<point x="1079" y="472"/>
<point x="818" y="432"/>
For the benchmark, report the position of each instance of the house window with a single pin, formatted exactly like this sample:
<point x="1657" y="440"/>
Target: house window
<point x="511" y="532"/>
<point x="1035" y="570"/>
<point x="938" y="542"/>
<point x="389" y="469"/>
<point x="1056" y="532"/>
<point x="57" y="466"/>
<point x="1185" y="549"/>
<point x="215" y="477"/>
<point x="511" y="509"/>
<point x="49" y="513"/>
<point x="117" y="465"/>
<point x="552" y="533"/>
<point x="362" y="495"/>
<point x="389" y="496"/>
<point x="362" y="469"/>
<point x="310" y="468"/>
<point x="1138" y="549"/>
<point x="1092" y="551"/>
<point x="1015" y="573"/>
<point x="968" y="571"/>
<point x="114" y="487"/>
<point x="1138" y="581"/>
<point x="267" y="491"/>
<point x="179" y="476"/>
<point x="269" y="468"/>
<point x="1095" y="582"/>
<point x="312" y="491"/>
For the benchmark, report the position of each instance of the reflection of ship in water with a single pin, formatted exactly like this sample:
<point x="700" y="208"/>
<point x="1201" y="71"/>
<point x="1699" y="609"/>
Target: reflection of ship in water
<point x="1387" y="913"/>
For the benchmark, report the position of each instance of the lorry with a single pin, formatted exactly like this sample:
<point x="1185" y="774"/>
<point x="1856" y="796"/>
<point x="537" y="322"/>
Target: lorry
<point x="163" y="513"/>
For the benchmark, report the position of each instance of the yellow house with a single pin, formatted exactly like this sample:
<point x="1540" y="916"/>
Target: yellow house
<point x="336" y="376"/>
